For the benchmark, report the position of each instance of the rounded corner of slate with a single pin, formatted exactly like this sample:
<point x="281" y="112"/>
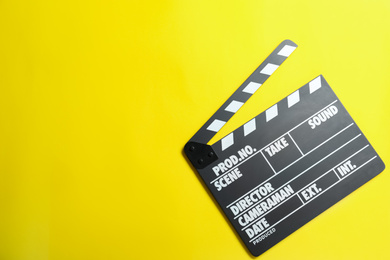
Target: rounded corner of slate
<point x="289" y="42"/>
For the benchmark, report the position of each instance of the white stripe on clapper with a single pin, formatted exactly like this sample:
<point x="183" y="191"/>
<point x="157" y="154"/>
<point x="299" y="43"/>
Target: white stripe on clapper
<point x="216" y="125"/>
<point x="251" y="87"/>
<point x="271" y="112"/>
<point x="227" y="141"/>
<point x="269" y="69"/>
<point x="234" y="106"/>
<point x="286" y="50"/>
<point x="250" y="127"/>
<point x="293" y="98"/>
<point x="315" y="84"/>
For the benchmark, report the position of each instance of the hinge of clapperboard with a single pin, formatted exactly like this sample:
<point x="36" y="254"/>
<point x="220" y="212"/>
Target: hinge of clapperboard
<point x="197" y="150"/>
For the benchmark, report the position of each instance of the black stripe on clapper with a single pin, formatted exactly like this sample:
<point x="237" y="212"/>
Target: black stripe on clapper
<point x="199" y="153"/>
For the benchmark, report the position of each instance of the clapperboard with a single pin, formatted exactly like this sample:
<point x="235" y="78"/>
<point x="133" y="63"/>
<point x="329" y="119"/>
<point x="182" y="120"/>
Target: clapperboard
<point x="288" y="164"/>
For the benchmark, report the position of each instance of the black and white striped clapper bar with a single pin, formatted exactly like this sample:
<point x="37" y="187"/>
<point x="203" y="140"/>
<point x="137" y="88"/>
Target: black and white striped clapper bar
<point x="284" y="167"/>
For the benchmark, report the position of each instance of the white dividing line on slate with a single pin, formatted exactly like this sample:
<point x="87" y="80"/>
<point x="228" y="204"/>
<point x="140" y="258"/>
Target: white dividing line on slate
<point x="296" y="144"/>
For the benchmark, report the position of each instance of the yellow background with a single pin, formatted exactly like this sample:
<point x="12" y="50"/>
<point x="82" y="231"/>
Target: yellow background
<point x="98" y="98"/>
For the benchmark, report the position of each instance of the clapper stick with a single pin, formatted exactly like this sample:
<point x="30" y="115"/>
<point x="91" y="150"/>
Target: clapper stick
<point x="202" y="154"/>
<point x="281" y="169"/>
